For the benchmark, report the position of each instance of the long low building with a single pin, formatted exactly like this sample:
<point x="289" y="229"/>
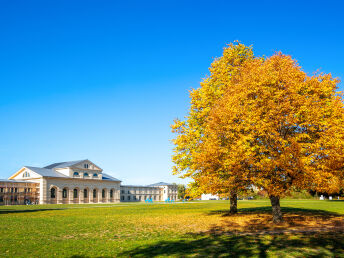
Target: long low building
<point x="75" y="182"/>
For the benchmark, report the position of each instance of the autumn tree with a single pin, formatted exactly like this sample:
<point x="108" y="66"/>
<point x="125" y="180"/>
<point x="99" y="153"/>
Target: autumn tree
<point x="191" y="130"/>
<point x="275" y="127"/>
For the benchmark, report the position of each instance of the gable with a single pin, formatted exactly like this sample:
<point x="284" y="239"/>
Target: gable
<point x="24" y="173"/>
<point x="86" y="164"/>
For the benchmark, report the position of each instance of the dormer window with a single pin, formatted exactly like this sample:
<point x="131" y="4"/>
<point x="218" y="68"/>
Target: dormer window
<point x="85" y="174"/>
<point x="85" y="165"/>
<point x="76" y="173"/>
<point x="95" y="175"/>
<point x="26" y="174"/>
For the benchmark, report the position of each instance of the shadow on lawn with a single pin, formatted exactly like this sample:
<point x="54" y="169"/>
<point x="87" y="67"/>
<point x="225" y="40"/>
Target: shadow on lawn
<point x="319" y="245"/>
<point x="255" y="240"/>
<point x="285" y="210"/>
<point x="5" y="211"/>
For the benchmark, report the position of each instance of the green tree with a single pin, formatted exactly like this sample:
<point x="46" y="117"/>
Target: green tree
<point x="181" y="191"/>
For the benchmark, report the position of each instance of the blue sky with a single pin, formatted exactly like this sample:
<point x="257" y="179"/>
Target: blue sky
<point x="104" y="80"/>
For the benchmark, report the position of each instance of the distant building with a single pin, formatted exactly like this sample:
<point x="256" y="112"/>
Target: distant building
<point x="206" y="197"/>
<point x="75" y="182"/>
<point x="155" y="192"/>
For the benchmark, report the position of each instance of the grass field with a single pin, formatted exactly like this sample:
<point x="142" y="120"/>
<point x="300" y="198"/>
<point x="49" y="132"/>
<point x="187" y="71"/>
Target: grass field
<point x="311" y="228"/>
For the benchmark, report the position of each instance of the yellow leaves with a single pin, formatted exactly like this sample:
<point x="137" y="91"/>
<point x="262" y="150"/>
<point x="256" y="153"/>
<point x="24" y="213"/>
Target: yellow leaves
<point x="264" y="122"/>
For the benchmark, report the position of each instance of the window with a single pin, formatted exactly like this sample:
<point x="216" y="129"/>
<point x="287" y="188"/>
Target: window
<point x="1" y="199"/>
<point x="76" y="173"/>
<point x="95" y="175"/>
<point x="75" y="193"/>
<point x="140" y="197"/>
<point x="103" y="193"/>
<point x="128" y="198"/>
<point x="15" y="189"/>
<point x="26" y="174"/>
<point x="128" y="192"/>
<point x="122" y="191"/>
<point x="85" y="193"/>
<point x="1" y="190"/>
<point x="111" y="193"/>
<point x="85" y="165"/>
<point x="85" y="174"/>
<point x="15" y="198"/>
<point x="52" y="193"/>
<point x="122" y="198"/>
<point x="64" y="193"/>
<point x="95" y="193"/>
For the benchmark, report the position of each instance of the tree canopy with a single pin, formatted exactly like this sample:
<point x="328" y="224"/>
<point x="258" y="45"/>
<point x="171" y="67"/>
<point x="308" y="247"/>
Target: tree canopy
<point x="265" y="122"/>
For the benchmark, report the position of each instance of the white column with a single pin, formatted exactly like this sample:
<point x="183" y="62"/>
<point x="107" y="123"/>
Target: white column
<point x="81" y="196"/>
<point x="71" y="195"/>
<point x="59" y="196"/>
<point x="100" y="199"/>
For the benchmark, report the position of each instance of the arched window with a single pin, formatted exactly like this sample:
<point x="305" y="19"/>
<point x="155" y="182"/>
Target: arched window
<point x="95" y="193"/>
<point x="26" y="174"/>
<point x="103" y="193"/>
<point x="76" y="173"/>
<point x="95" y="175"/>
<point x="111" y="193"/>
<point x="85" y="174"/>
<point x="64" y="193"/>
<point x="52" y="193"/>
<point x="75" y="193"/>
<point x="85" y="193"/>
<point x="85" y="165"/>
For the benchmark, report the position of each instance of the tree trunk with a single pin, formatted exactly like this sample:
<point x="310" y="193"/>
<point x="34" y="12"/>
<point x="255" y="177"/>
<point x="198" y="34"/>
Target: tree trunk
<point x="233" y="202"/>
<point x="276" y="209"/>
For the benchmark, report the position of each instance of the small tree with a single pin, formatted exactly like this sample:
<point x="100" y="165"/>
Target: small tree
<point x="181" y="191"/>
<point x="277" y="128"/>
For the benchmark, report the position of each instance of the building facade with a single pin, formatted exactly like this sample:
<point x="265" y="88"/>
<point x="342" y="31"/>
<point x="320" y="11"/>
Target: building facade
<point x="75" y="182"/>
<point x="155" y="192"/>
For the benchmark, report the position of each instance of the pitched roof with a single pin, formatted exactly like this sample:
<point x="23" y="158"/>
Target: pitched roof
<point x="108" y="177"/>
<point x="15" y="181"/>
<point x="46" y="172"/>
<point x="64" y="164"/>
<point x="159" y="184"/>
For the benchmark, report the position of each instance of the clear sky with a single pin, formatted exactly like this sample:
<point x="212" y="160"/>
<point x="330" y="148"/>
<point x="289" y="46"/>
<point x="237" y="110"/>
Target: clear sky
<point x="104" y="80"/>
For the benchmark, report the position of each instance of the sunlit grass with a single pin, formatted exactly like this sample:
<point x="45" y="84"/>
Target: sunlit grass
<point x="179" y="229"/>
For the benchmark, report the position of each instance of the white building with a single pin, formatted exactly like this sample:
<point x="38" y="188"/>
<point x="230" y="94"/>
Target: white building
<point x="77" y="182"/>
<point x="206" y="197"/>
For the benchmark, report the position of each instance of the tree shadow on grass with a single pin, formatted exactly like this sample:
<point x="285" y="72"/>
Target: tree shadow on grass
<point x="285" y="210"/>
<point x="204" y="245"/>
<point x="256" y="237"/>
<point x="13" y="211"/>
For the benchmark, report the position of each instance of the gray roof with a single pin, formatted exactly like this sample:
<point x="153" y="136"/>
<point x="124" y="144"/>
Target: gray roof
<point x="15" y="181"/>
<point x="46" y="172"/>
<point x="64" y="164"/>
<point x="110" y="178"/>
<point x="159" y="184"/>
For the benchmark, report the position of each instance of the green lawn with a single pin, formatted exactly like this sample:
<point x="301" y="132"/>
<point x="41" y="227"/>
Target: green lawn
<point x="185" y="229"/>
